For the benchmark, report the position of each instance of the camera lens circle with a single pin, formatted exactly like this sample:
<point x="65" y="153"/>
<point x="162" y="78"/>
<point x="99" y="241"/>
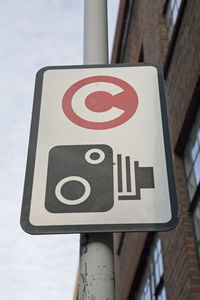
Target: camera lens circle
<point x="94" y="156"/>
<point x="79" y="200"/>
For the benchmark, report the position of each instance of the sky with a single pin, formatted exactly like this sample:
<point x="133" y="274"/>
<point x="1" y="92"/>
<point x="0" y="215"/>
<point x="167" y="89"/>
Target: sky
<point x="34" y="34"/>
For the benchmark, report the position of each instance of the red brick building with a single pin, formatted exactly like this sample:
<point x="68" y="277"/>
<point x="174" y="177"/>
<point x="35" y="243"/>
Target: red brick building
<point x="167" y="33"/>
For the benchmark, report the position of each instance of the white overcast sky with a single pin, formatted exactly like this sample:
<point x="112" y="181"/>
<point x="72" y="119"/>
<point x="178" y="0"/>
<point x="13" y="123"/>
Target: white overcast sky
<point x="33" y="34"/>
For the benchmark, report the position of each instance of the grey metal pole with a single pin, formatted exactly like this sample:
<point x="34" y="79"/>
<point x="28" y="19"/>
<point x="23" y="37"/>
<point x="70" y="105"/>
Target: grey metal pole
<point x="95" y="32"/>
<point x="96" y="278"/>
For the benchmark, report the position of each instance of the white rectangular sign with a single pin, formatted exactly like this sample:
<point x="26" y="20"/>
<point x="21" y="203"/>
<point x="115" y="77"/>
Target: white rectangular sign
<point x="99" y="154"/>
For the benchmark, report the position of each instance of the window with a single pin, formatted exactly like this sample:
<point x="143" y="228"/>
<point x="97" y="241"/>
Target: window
<point x="171" y="10"/>
<point x="152" y="287"/>
<point x="192" y="169"/>
<point x="192" y="158"/>
<point x="196" y="217"/>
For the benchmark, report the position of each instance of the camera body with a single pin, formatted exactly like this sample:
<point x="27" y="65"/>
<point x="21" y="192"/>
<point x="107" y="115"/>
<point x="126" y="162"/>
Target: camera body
<point x="80" y="179"/>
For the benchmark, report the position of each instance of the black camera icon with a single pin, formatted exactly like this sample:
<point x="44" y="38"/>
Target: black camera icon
<point x="80" y="179"/>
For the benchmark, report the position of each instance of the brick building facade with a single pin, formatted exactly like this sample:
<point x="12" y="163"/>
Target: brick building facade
<point x="166" y="32"/>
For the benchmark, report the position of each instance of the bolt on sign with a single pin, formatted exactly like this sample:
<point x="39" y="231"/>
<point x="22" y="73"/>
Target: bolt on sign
<point x="99" y="154"/>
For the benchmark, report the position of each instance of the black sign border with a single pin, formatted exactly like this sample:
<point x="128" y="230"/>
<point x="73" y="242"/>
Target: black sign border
<point x="64" y="229"/>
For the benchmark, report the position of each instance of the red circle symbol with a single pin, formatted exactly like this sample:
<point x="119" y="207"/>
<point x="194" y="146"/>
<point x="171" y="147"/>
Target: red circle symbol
<point x="102" y="101"/>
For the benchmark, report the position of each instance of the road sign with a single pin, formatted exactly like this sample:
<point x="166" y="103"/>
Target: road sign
<point x="99" y="154"/>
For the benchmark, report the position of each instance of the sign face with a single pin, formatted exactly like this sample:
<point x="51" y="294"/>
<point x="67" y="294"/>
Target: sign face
<point x="99" y="154"/>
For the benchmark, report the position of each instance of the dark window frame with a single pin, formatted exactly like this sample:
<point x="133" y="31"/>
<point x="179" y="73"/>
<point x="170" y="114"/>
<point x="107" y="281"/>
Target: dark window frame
<point x="125" y="30"/>
<point x="194" y="200"/>
<point x="174" y="34"/>
<point x="168" y="13"/>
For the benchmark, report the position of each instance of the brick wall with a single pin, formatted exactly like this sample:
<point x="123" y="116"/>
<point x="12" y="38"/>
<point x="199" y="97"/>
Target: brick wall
<point x="182" y="276"/>
<point x="147" y="28"/>
<point x="184" y="69"/>
<point x="130" y="253"/>
<point x="179" y="253"/>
